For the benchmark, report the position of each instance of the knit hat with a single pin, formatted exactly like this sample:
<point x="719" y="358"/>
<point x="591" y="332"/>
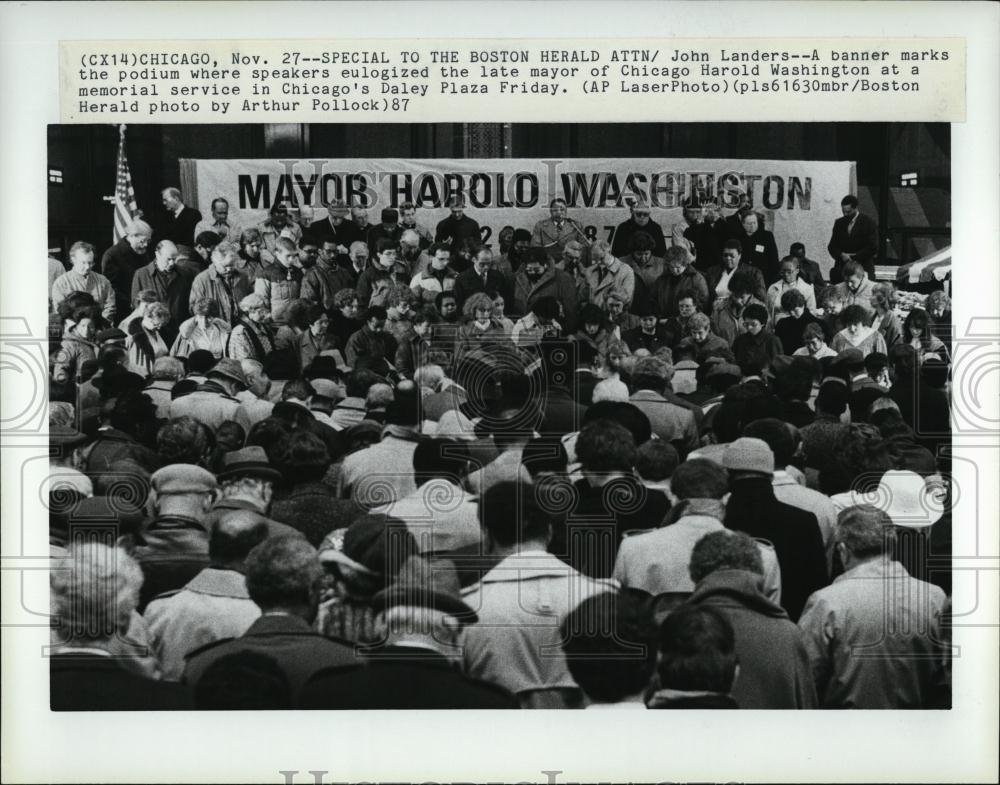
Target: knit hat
<point x="749" y="455"/>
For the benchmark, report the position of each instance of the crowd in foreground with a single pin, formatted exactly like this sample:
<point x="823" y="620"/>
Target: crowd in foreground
<point x="675" y="473"/>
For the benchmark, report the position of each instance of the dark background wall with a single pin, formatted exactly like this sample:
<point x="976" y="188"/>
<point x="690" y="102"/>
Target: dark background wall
<point x="915" y="220"/>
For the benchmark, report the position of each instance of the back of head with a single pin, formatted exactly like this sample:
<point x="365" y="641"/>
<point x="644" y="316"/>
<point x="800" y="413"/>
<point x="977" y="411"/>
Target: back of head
<point x="697" y="650"/>
<point x="656" y="460"/>
<point x="94" y="591"/>
<point x="699" y="478"/>
<point x="234" y="535"/>
<point x="184" y="440"/>
<point x="628" y="415"/>
<point x="651" y="373"/>
<point x="725" y="550"/>
<point x="445" y="459"/>
<point x="306" y="458"/>
<point x="863" y="530"/>
<point x="509" y="514"/>
<point x="832" y="398"/>
<point x="605" y="446"/>
<point x="284" y="572"/>
<point x="609" y="648"/>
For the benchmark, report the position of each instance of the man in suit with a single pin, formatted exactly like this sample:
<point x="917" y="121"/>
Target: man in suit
<point x="481" y="277"/>
<point x="180" y="220"/>
<point x="284" y="578"/>
<point x="424" y="615"/>
<point x="554" y="232"/>
<point x="854" y="238"/>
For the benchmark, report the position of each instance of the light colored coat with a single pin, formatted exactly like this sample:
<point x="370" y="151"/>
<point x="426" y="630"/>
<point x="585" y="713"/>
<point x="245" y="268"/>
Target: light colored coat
<point x="212" y="606"/>
<point x="521" y="603"/>
<point x="874" y="638"/>
<point x="657" y="561"/>
<point x="619" y="279"/>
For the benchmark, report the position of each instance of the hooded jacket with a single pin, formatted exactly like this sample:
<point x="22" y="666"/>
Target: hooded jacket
<point x="774" y="663"/>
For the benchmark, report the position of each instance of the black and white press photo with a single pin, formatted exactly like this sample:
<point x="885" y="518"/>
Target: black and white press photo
<point x="500" y="416"/>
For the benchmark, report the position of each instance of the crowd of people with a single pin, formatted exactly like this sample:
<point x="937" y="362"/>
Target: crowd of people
<point x="336" y="464"/>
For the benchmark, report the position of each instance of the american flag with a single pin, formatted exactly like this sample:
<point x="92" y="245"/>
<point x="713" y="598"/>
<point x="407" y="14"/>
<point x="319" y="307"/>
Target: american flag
<point x="125" y="207"/>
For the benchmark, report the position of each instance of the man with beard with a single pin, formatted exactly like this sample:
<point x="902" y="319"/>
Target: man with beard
<point x="325" y="278"/>
<point x="538" y="277"/>
<point x="411" y="252"/>
<point x="640" y="221"/>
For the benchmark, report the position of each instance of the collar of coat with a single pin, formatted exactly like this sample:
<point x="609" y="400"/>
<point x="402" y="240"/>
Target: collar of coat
<point x="217" y="582"/>
<point x="743" y="586"/>
<point x="530" y="565"/>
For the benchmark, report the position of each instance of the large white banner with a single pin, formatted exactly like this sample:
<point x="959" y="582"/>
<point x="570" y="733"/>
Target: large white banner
<point x="800" y="199"/>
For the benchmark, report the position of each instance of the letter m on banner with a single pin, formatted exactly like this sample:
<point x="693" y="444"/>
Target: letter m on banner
<point x="125" y="207"/>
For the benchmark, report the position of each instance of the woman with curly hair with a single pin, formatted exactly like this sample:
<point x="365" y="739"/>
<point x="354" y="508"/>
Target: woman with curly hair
<point x="885" y="320"/>
<point x="857" y="334"/>
<point x="205" y="330"/>
<point x="481" y="329"/>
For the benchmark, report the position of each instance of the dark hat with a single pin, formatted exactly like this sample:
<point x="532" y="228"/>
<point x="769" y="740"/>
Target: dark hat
<point x="229" y="369"/>
<point x="65" y="436"/>
<point x="390" y="215"/>
<point x="248" y="462"/>
<point x="105" y="511"/>
<point x="111" y="334"/>
<point x="521" y="234"/>
<point x="366" y="544"/>
<point x="116" y="381"/>
<point x="426" y="583"/>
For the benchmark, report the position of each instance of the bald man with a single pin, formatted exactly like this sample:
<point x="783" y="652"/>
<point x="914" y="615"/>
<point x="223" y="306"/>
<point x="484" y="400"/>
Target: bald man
<point x="179" y="220"/>
<point x="214" y="604"/>
<point x="171" y="283"/>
